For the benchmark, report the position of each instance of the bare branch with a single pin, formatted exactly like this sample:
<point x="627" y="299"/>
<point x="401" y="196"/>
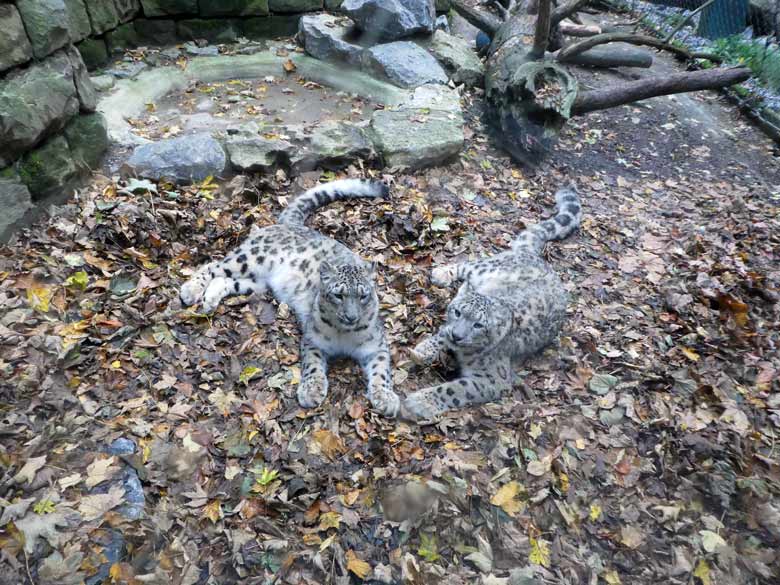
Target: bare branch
<point x="633" y="91"/>
<point x="579" y="30"/>
<point x="686" y="20"/>
<point x="542" y="30"/>
<point x="482" y="20"/>
<point x="574" y="49"/>
<point x="566" y="9"/>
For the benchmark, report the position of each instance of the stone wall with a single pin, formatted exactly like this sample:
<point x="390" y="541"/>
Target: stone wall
<point x="50" y="135"/>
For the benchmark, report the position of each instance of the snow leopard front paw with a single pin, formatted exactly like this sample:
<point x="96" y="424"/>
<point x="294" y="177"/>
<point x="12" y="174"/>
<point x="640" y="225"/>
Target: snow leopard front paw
<point x="312" y="391"/>
<point x="191" y="292"/>
<point x="443" y="276"/>
<point x="420" y="405"/>
<point x="386" y="402"/>
<point x="426" y="352"/>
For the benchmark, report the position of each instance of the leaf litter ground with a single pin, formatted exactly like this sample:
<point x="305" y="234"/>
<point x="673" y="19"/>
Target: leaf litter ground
<point x="642" y="448"/>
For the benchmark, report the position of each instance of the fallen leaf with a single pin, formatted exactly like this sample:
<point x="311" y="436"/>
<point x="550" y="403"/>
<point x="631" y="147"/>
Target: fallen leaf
<point x="93" y="507"/>
<point x="506" y="498"/>
<point x="357" y="566"/>
<point x="540" y="552"/>
<point x="27" y="473"/>
<point x="101" y="470"/>
<point x="711" y="541"/>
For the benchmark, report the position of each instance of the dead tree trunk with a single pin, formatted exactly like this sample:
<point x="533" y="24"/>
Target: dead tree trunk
<point x="531" y="95"/>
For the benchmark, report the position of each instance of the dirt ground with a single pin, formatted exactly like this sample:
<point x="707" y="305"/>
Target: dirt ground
<point x="640" y="449"/>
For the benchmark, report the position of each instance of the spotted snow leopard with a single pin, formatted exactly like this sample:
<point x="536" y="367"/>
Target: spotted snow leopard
<point x="328" y="287"/>
<point x="510" y="306"/>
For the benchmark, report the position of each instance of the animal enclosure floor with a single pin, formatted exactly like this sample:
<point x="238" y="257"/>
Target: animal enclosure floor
<point x="642" y="449"/>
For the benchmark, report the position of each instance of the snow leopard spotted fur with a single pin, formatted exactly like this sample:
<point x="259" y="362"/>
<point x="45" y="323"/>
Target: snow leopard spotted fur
<point x="328" y="287"/>
<point x="510" y="306"/>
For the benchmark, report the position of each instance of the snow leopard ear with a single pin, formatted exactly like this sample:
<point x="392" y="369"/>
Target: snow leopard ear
<point x="327" y="272"/>
<point x="370" y="267"/>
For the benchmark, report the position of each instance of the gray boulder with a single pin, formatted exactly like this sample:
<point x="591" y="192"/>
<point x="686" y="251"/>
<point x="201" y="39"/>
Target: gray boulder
<point x="50" y="169"/>
<point x="389" y="20"/>
<point x="84" y="88"/>
<point x="458" y="58"/>
<point x="127" y="10"/>
<point x="326" y="37"/>
<point x="253" y="153"/>
<point x="15" y="201"/>
<point x="94" y="53"/>
<point x="103" y="15"/>
<point x="169" y="7"/>
<point x="426" y="130"/>
<point x="156" y="32"/>
<point x="209" y="8"/>
<point x="78" y="20"/>
<point x="442" y="23"/>
<point x="214" y="31"/>
<point x="46" y="22"/>
<point x="184" y="159"/>
<point x="404" y="64"/>
<point x="15" y="47"/>
<point x="332" y="145"/>
<point x="34" y="103"/>
<point x="87" y="138"/>
<point x="103" y="83"/>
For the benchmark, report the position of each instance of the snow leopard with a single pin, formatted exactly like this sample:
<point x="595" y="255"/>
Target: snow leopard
<point x="329" y="288"/>
<point x="509" y="306"/>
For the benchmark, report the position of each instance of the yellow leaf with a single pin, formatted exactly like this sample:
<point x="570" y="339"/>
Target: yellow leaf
<point x="311" y="539"/>
<point x="540" y="552"/>
<point x="115" y="572"/>
<point x="213" y="511"/>
<point x="595" y="512"/>
<point x="703" y="572"/>
<point x="612" y="577"/>
<point x="354" y="564"/>
<point x="289" y="66"/>
<point x="564" y="479"/>
<point x="329" y="520"/>
<point x="506" y="498"/>
<point x="690" y="354"/>
<point x="39" y="295"/>
<point x="327" y="542"/>
<point x="116" y="364"/>
<point x="536" y="430"/>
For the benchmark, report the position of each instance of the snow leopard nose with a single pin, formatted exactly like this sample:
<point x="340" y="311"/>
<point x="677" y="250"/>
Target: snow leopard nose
<point x="350" y="319"/>
<point x="456" y="337"/>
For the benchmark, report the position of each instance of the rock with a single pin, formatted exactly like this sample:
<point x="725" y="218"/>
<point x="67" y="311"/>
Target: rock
<point x="121" y="446"/>
<point x="333" y="5"/>
<point x="249" y="153"/>
<point x="184" y="159"/>
<point x="156" y="32"/>
<point x="326" y="37"/>
<point x="193" y="49"/>
<point x="15" y="201"/>
<point x="404" y="64"/>
<point x="46" y="23"/>
<point x="458" y="58"/>
<point x="442" y="23"/>
<point x="210" y="8"/>
<point x="79" y="26"/>
<point x="169" y="7"/>
<point x="15" y="47"/>
<point x="214" y="31"/>
<point x="332" y="145"/>
<point x="103" y="83"/>
<point x="270" y="27"/>
<point x="50" y="169"/>
<point x="87" y="138"/>
<point x="94" y="53"/>
<point x="134" y="495"/>
<point x="128" y="70"/>
<point x="127" y="9"/>
<point x="295" y="5"/>
<point x="102" y="14"/>
<point x="390" y="20"/>
<point x="425" y="130"/>
<point x="113" y="549"/>
<point x="84" y="88"/>
<point x="442" y="5"/>
<point x="34" y="103"/>
<point x="123" y="37"/>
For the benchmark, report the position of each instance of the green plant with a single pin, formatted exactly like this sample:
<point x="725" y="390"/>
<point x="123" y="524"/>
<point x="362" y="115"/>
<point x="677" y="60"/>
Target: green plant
<point x="763" y="61"/>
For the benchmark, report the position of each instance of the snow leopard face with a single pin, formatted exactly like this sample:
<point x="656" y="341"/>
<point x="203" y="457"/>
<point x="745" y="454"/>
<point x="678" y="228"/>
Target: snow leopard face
<point x="348" y="295"/>
<point x="475" y="323"/>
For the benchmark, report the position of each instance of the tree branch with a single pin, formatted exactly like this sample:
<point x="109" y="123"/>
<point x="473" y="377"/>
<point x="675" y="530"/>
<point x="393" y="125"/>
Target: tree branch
<point x="542" y="30"/>
<point x="565" y="10"/>
<point x="603" y="57"/>
<point x="482" y="20"/>
<point x="601" y="99"/>
<point x="574" y="49"/>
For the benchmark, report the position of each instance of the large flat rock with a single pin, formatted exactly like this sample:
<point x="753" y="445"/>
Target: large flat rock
<point x="103" y="15"/>
<point x="425" y="130"/>
<point x="327" y="38"/>
<point x="390" y="20"/>
<point x="185" y="159"/>
<point x="15" y="47"/>
<point x="332" y="145"/>
<point x="254" y="153"/>
<point x="404" y="64"/>
<point x="79" y="26"/>
<point x="210" y="8"/>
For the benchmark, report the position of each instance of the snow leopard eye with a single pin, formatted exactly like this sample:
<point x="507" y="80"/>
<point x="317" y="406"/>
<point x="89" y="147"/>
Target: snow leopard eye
<point x="478" y="325"/>
<point x="337" y="297"/>
<point x="364" y="297"/>
<point x="456" y="313"/>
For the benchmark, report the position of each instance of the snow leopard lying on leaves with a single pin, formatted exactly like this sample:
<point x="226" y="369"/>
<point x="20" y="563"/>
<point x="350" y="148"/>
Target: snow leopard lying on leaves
<point x="329" y="288"/>
<point x="509" y="306"/>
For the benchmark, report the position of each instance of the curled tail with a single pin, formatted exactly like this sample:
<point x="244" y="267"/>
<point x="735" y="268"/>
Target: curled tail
<point x="305" y="204"/>
<point x="566" y="220"/>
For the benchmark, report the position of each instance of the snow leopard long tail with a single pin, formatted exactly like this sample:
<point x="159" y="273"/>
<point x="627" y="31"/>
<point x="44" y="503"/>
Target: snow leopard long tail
<point x="307" y="203"/>
<point x="566" y="220"/>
